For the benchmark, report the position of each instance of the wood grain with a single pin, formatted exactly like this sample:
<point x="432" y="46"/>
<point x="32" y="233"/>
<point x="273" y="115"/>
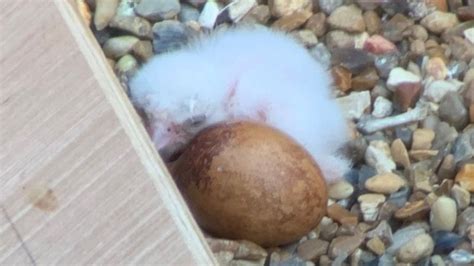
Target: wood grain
<point x="80" y="182"/>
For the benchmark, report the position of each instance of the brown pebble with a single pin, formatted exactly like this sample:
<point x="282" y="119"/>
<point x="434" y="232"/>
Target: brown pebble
<point x="436" y="68"/>
<point x="365" y="80"/>
<point x="312" y="249"/>
<point x="385" y="183"/>
<point x="441" y="5"/>
<point x="471" y="113"/>
<point x="344" y="245"/>
<point x="465" y="177"/>
<point x="406" y="95"/>
<point x="400" y="153"/>
<point x="465" y="13"/>
<point x="376" y="245"/>
<point x="317" y="24"/>
<point x="421" y="155"/>
<point x="417" y="47"/>
<point x="372" y="22"/>
<point x="422" y="139"/>
<point x="342" y="78"/>
<point x="447" y="168"/>
<point x="341" y="215"/>
<point x="293" y="21"/>
<point x="416" y="210"/>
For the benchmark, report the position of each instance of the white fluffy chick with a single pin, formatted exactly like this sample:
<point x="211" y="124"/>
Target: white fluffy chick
<point x="246" y="73"/>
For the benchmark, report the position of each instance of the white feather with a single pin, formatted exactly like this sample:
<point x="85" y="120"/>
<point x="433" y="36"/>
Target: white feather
<point x="272" y="75"/>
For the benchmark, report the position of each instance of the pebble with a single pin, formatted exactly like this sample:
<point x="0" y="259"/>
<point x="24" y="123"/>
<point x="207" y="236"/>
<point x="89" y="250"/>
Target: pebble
<point x="280" y="8"/>
<point x="169" y="35"/>
<point x="292" y="21"/>
<point x="465" y="177"/>
<point x="422" y="139"/>
<point x="438" y="21"/>
<point x="328" y="6"/>
<point x="378" y="155"/>
<point x="436" y="68"/>
<point x="345" y="245"/>
<point x="469" y="34"/>
<point x="443" y="214"/>
<point x="399" y="76"/>
<point x="305" y="37"/>
<point x="341" y="215"/>
<point x="386" y="183"/>
<point x="447" y="169"/>
<point x="453" y="111"/>
<point x="382" y="107"/>
<point x="137" y="26"/>
<point x="328" y="232"/>
<point x="342" y="78"/>
<point x="321" y="54"/>
<point x="465" y="220"/>
<point x="418" y="32"/>
<point x="126" y="67"/>
<point x="386" y="62"/>
<point x="466" y="13"/>
<point x="340" y="190"/>
<point x="463" y="148"/>
<point x="461" y="196"/>
<point x="259" y="14"/>
<point x="143" y="50"/>
<point x="117" y="47"/>
<point x="339" y="39"/>
<point x="461" y="49"/>
<point x="445" y="242"/>
<point x="365" y="80"/>
<point x="104" y="12"/>
<point x="188" y="13"/>
<point x="209" y="13"/>
<point x="241" y="249"/>
<point x="312" y="249"/>
<point x="317" y="24"/>
<point x="372" y="22"/>
<point x="347" y="18"/>
<point x="355" y="104"/>
<point x="369" y="205"/>
<point x="406" y="95"/>
<point x="420" y="247"/>
<point x="238" y="9"/>
<point x="377" y="44"/>
<point x="376" y="245"/>
<point x="382" y="231"/>
<point x="414" y="210"/>
<point x="445" y="134"/>
<point x="394" y="28"/>
<point x="405" y="134"/>
<point x="155" y="10"/>
<point x="461" y="257"/>
<point x="399" y="153"/>
<point x="437" y="89"/>
<point x="354" y="60"/>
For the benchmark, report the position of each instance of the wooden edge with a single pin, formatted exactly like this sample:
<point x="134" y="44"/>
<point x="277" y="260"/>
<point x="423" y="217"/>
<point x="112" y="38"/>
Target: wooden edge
<point x="140" y="140"/>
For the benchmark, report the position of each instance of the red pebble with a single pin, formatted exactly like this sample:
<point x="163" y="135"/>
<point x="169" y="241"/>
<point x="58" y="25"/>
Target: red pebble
<point x="377" y="44"/>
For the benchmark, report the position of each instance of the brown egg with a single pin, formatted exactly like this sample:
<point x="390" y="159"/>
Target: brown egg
<point x="248" y="181"/>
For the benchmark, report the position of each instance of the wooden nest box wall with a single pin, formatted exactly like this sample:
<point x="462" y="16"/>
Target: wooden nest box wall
<point x="80" y="181"/>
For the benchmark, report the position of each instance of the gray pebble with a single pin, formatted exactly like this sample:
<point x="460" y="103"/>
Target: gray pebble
<point x="405" y="134"/>
<point x="328" y="6"/>
<point x="169" y="35"/>
<point x="444" y="134"/>
<point x="462" y="148"/>
<point x="453" y="111"/>
<point x="188" y="13"/>
<point x="155" y="10"/>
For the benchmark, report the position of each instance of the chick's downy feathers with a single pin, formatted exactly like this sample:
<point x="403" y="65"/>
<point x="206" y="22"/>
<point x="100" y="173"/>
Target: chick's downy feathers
<point x="243" y="73"/>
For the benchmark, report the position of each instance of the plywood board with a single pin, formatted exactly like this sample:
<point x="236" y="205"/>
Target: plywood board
<point x="80" y="182"/>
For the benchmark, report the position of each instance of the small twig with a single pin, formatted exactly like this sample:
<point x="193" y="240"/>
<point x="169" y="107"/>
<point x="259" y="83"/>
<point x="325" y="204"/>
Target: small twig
<point x="370" y="126"/>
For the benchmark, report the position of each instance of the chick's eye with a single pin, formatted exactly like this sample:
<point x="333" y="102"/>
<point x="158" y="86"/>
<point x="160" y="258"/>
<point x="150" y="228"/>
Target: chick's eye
<point x="168" y="129"/>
